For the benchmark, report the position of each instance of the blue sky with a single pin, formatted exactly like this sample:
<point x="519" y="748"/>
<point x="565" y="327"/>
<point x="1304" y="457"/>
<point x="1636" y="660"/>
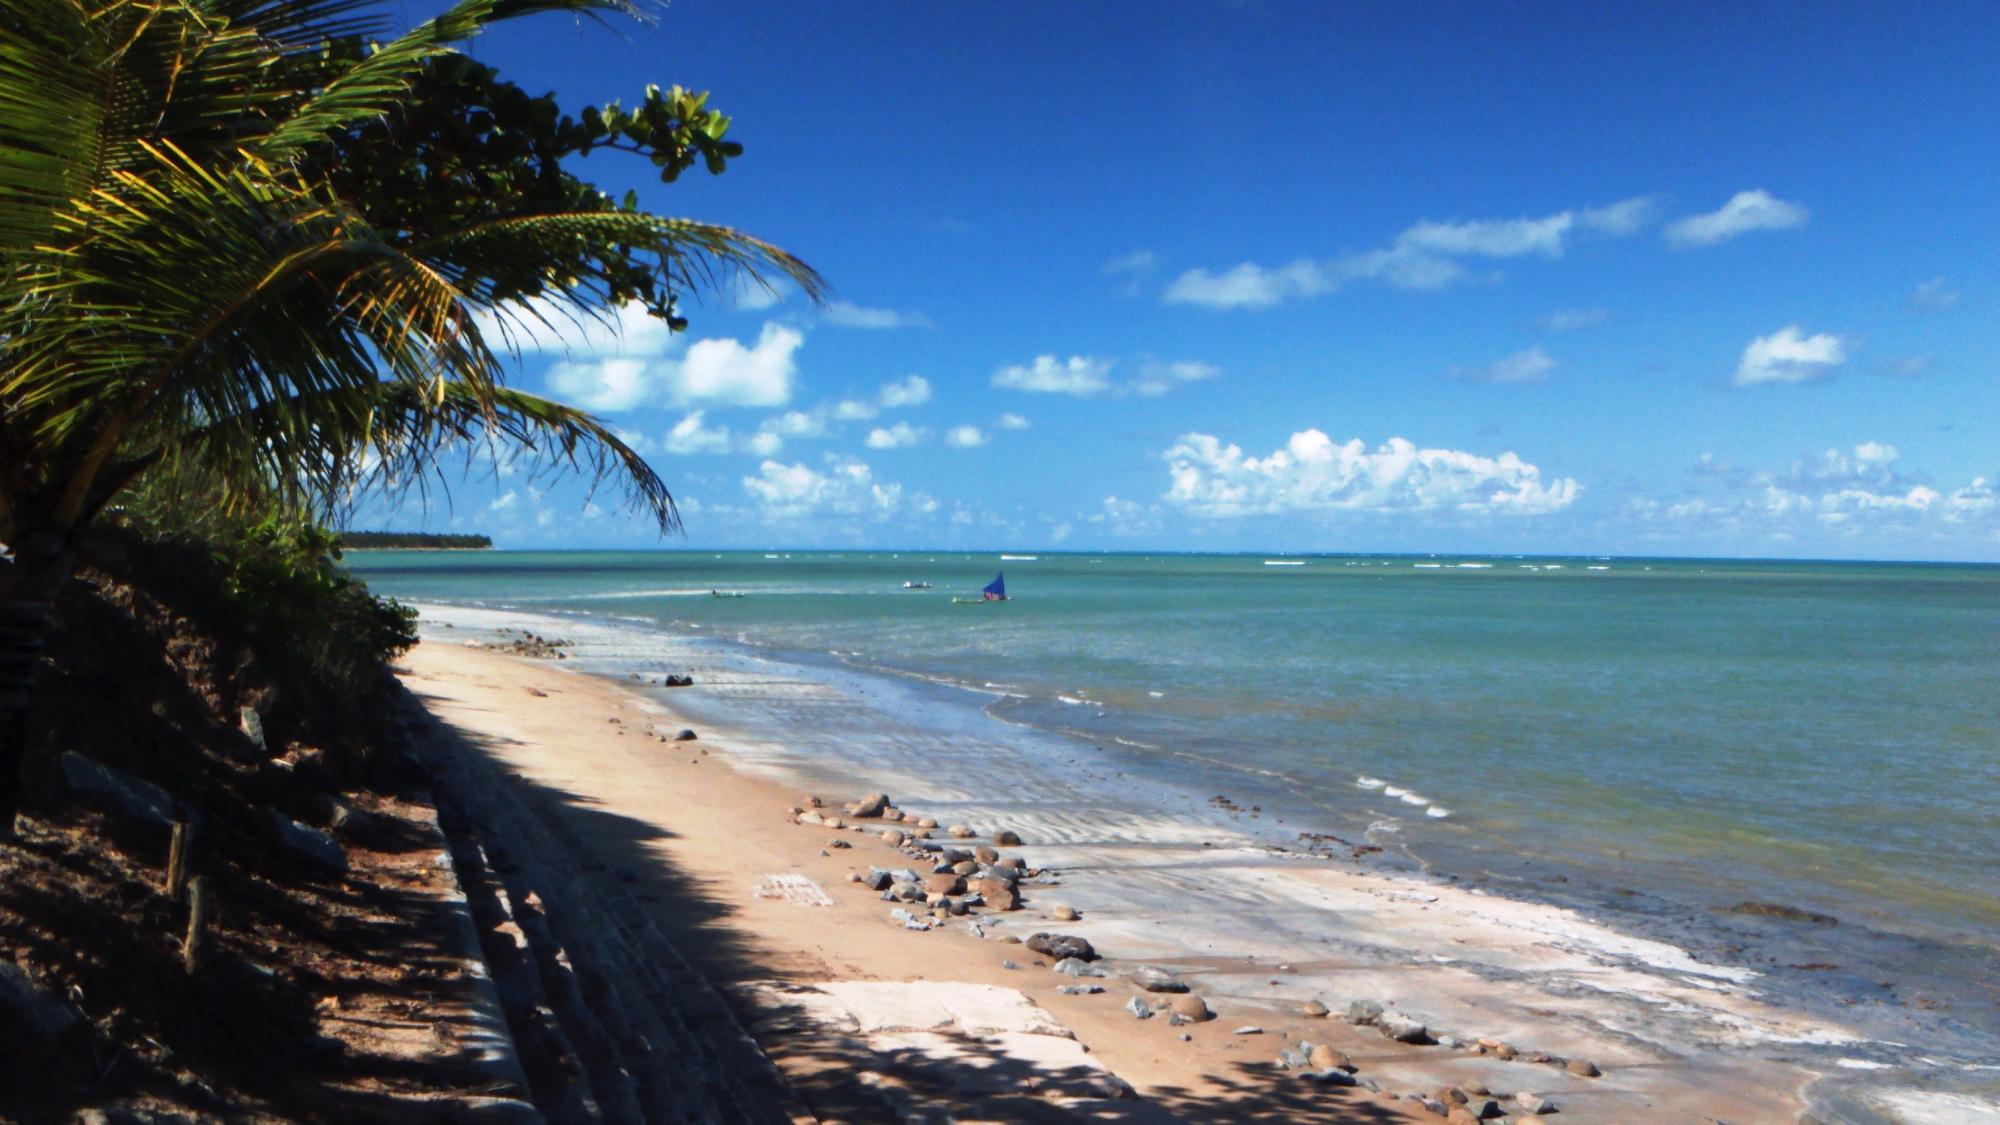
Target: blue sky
<point x="1664" y="279"/>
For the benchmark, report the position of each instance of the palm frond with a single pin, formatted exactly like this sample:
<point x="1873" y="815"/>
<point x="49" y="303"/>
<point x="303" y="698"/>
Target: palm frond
<point x="55" y="85"/>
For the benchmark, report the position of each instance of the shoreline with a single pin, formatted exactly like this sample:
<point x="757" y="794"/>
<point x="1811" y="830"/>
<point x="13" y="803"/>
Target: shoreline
<point x="1501" y="953"/>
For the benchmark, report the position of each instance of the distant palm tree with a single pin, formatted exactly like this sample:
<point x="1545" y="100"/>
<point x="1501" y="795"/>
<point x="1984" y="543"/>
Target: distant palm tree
<point x="184" y="294"/>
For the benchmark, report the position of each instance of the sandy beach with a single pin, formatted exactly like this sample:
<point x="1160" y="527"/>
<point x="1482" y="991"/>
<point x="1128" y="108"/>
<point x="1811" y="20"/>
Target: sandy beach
<point x="845" y="998"/>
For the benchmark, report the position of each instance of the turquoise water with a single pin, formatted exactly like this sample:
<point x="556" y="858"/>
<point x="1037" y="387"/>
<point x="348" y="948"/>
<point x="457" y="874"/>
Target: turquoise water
<point x="1703" y="732"/>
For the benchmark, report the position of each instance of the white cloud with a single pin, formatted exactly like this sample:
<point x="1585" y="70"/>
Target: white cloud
<point x="605" y="384"/>
<point x="914" y="390"/>
<point x="1079" y="375"/>
<point x="1746" y="211"/>
<point x="690" y="435"/>
<point x="898" y="436"/>
<point x="1157" y="378"/>
<point x="1012" y="421"/>
<point x="748" y="294"/>
<point x="1312" y="473"/>
<point x="795" y="424"/>
<point x="1249" y="286"/>
<point x="724" y="372"/>
<point x="504" y="501"/>
<point x="763" y="443"/>
<point x="845" y="314"/>
<point x="847" y="488"/>
<point x="1789" y="356"/>
<point x="964" y="437"/>
<point x="854" y="410"/>
<point x="1126" y="518"/>
<point x="1530" y="366"/>
<point x="1853" y="491"/>
<point x="1426" y="255"/>
<point x="1572" y="320"/>
<point x="1935" y="295"/>
<point x="1137" y="262"/>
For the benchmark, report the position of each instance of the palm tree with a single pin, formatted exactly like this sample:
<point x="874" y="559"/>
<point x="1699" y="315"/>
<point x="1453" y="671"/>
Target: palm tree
<point x="185" y="291"/>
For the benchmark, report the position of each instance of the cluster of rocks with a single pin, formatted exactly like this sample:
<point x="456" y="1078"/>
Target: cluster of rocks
<point x="521" y="642"/>
<point x="949" y="880"/>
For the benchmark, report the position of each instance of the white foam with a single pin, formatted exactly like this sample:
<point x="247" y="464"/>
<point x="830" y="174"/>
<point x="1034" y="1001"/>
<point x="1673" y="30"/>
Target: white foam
<point x="1475" y="566"/>
<point x="1073" y="701"/>
<point x="1924" y="1107"/>
<point x="1393" y="790"/>
<point x="1414" y="799"/>
<point x="1369" y="782"/>
<point x="1019" y="558"/>
<point x="1157" y="694"/>
<point x="1597" y="568"/>
<point x="1284" y="562"/>
<point x="1437" y="812"/>
<point x="1428" y="566"/>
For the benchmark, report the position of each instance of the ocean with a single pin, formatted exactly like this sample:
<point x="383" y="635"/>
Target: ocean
<point x="1657" y="741"/>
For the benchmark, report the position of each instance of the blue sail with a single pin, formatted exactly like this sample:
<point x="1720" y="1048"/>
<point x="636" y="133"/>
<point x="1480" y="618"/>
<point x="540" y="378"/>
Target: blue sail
<point x="997" y="589"/>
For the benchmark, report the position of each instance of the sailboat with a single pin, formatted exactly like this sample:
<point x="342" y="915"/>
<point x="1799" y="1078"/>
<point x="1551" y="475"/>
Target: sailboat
<point x="995" y="591"/>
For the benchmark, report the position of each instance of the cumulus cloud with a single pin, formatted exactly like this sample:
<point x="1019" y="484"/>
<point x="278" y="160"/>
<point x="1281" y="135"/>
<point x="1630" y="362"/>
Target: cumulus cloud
<point x="1313" y="473"/>
<point x="914" y="390"/>
<point x="1012" y="421"/>
<point x="1745" y="212"/>
<point x="846" y="314"/>
<point x="898" y="436"/>
<point x="1249" y="286"/>
<point x="1530" y="366"/>
<point x="1078" y="375"/>
<point x="620" y="383"/>
<point x="543" y="326"/>
<point x="1427" y="255"/>
<point x="1789" y="356"/>
<point x="1572" y="320"/>
<point x="1935" y="295"/>
<point x="847" y="488"/>
<point x="725" y="372"/>
<point x="964" y="437"/>
<point x="1157" y="377"/>
<point x="692" y="435"/>
<point x="504" y="501"/>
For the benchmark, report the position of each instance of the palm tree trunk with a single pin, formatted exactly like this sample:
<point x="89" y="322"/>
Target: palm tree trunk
<point x="29" y="582"/>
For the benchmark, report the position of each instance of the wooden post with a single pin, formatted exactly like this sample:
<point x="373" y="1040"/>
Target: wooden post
<point x="177" y="858"/>
<point x="197" y="935"/>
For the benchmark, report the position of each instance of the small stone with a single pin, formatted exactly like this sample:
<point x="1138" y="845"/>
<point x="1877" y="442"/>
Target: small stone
<point x="997" y="894"/>
<point x="1006" y="838"/>
<point x="1013" y="863"/>
<point x="944" y="883"/>
<point x="838" y="844"/>
<point x="959" y="907"/>
<point x="1460" y="1115"/>
<point x="871" y="805"/>
<point x="1534" y="1103"/>
<point x="876" y="879"/>
<point x="907" y="892"/>
<point x="1139" y="1008"/>
<point x="1248" y="1029"/>
<point x="892" y="814"/>
<point x="965" y="867"/>
<point x="854" y="876"/>
<point x="1157" y="980"/>
<point x="1331" y="1077"/>
<point x="1063" y="912"/>
<point x="811" y="817"/>
<point x="1009" y="965"/>
<point x="1073" y="967"/>
<point x="309" y="845"/>
<point x="1323" y="1057"/>
<point x="1010" y="939"/>
<point x="815" y="803"/>
<point x="1478" y="1088"/>
<point x="685" y="735"/>
<point x="1403" y="1029"/>
<point x="892" y="837"/>
<point x="833" y="822"/>
<point x="1185" y="1037"/>
<point x="1583" y="1067"/>
<point x="1484" y="1108"/>
<point x="961" y="832"/>
<point x="1363" y="1012"/>
<point x="1192" y="1008"/>
<point x="1079" y="989"/>
<point x="1313" y="1010"/>
<point x="986" y="855"/>
<point x="1063" y="947"/>
<point x="927" y="822"/>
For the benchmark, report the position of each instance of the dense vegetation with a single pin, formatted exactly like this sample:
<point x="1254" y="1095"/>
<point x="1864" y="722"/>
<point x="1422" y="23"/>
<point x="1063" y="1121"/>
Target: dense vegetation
<point x="241" y="246"/>
<point x="363" y="540"/>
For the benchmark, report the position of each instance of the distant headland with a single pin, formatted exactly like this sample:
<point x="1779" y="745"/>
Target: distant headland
<point x="412" y="540"/>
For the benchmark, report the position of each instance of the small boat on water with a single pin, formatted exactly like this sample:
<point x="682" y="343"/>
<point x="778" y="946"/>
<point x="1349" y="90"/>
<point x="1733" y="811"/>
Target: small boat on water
<point x="916" y="585"/>
<point x="995" y="591"/>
